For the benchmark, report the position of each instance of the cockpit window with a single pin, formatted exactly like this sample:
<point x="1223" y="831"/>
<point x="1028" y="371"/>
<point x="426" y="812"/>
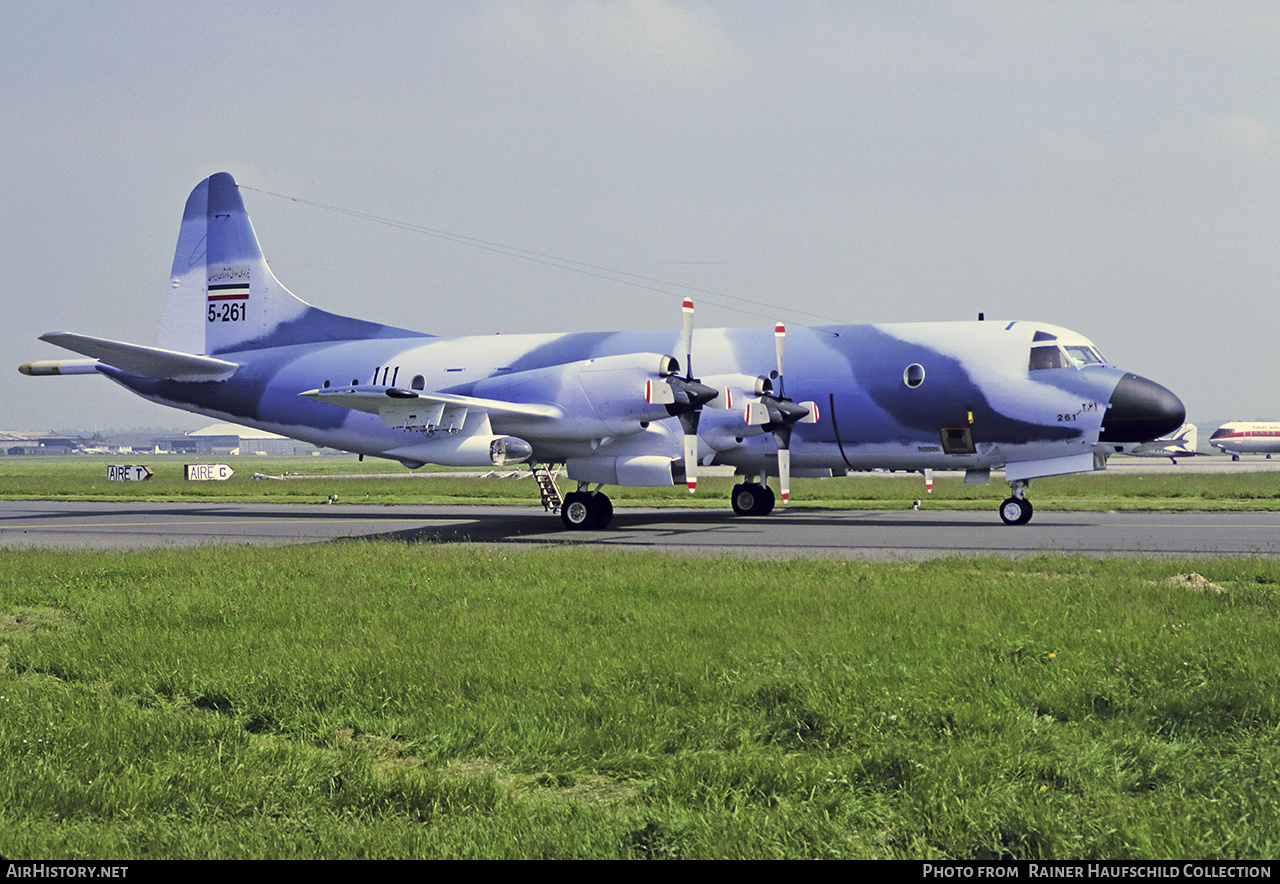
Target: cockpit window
<point x="1047" y="357"/>
<point x="1067" y="356"/>
<point x="1083" y="355"/>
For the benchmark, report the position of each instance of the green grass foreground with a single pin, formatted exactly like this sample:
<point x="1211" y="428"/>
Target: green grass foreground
<point x="85" y="478"/>
<point x="386" y="700"/>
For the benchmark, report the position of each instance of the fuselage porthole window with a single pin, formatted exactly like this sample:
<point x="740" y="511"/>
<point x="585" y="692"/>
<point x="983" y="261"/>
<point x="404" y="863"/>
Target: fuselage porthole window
<point x="419" y="382"/>
<point x="913" y="375"/>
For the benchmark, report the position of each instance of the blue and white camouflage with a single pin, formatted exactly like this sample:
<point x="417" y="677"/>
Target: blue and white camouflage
<point x="624" y="408"/>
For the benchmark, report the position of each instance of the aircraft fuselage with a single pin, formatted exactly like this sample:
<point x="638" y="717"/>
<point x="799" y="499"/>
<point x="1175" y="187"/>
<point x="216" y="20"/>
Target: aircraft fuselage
<point x="976" y="404"/>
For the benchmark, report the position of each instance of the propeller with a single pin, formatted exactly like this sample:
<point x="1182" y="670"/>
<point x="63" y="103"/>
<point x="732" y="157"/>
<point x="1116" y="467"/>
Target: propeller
<point x="778" y="414"/>
<point x="779" y="349"/>
<point x="684" y="398"/>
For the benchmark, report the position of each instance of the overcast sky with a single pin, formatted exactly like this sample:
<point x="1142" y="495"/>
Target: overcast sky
<point x="1110" y="167"/>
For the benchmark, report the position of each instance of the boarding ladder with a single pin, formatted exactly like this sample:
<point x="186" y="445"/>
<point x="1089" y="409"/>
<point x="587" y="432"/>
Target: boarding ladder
<point x="545" y="476"/>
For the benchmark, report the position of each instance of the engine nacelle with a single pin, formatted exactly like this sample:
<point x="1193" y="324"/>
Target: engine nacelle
<point x="606" y="395"/>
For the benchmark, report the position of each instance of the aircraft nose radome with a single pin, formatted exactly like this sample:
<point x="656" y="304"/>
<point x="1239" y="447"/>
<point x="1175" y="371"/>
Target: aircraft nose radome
<point x="1141" y="410"/>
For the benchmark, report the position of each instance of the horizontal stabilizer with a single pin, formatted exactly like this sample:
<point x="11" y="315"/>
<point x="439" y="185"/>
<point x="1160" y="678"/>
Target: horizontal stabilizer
<point x="147" y="362"/>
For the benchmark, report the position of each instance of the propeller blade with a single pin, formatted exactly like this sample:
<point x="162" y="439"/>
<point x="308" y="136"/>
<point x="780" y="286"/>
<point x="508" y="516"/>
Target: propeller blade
<point x="779" y="345"/>
<point x="784" y="473"/>
<point x="687" y="308"/>
<point x="723" y="400"/>
<point x="691" y="461"/>
<point x="756" y="414"/>
<point x="658" y="393"/>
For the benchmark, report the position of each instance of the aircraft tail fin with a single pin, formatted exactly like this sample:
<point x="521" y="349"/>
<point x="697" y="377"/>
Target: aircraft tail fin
<point x="1188" y="435"/>
<point x="222" y="295"/>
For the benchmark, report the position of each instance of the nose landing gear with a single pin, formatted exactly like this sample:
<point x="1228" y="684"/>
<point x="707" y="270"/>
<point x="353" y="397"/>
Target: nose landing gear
<point x="1017" y="509"/>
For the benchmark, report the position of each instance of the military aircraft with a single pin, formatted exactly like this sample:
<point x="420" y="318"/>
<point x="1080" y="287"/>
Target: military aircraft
<point x="1180" y="443"/>
<point x="622" y="408"/>
<point x="1244" y="437"/>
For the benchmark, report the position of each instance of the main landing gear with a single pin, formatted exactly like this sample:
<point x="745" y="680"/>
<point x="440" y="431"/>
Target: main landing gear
<point x="584" y="510"/>
<point x="1017" y="509"/>
<point x="752" y="499"/>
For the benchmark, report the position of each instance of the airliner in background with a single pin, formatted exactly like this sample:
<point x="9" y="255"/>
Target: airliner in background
<point x="1247" y="437"/>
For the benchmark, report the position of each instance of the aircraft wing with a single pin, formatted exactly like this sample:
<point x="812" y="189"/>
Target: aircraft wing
<point x="147" y="362"/>
<point x="408" y="408"/>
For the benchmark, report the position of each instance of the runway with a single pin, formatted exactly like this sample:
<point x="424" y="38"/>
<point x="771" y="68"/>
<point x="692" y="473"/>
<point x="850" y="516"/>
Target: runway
<point x="795" y="532"/>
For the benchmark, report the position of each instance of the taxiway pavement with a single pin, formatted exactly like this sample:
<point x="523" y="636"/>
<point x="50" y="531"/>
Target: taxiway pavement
<point x="796" y="531"/>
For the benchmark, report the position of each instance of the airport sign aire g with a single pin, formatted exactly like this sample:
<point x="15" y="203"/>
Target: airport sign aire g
<point x="207" y="472"/>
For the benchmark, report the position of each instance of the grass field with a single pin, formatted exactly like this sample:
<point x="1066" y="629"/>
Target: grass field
<point x="386" y="700"/>
<point x="390" y="700"/>
<point x="85" y="478"/>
